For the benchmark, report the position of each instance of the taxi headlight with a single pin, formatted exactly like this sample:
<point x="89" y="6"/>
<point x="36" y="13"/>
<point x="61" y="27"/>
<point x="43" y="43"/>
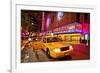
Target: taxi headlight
<point x="70" y="47"/>
<point x="57" y="50"/>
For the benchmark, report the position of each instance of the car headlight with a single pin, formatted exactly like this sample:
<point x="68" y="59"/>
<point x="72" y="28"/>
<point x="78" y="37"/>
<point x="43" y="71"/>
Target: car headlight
<point x="57" y="50"/>
<point x="70" y="47"/>
<point x="29" y="39"/>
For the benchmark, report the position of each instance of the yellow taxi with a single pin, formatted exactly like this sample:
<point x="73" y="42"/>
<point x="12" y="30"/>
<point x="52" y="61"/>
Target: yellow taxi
<point x="53" y="46"/>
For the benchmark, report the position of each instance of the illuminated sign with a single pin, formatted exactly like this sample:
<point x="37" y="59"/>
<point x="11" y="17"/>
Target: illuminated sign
<point x="48" y="22"/>
<point x="60" y="15"/>
<point x="71" y="27"/>
<point x="68" y="28"/>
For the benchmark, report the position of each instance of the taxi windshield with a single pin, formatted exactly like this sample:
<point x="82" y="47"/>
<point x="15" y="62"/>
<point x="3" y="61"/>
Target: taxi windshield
<point x="52" y="39"/>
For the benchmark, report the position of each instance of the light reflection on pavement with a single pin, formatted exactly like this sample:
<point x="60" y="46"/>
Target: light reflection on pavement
<point x="38" y="56"/>
<point x="80" y="52"/>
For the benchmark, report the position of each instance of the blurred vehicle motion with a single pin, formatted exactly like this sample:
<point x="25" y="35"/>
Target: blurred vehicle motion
<point x="53" y="46"/>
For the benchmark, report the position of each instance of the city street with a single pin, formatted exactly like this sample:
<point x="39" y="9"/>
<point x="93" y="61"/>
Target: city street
<point x="54" y="36"/>
<point x="80" y="52"/>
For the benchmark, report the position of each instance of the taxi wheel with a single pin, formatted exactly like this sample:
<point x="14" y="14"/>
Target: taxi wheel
<point x="48" y="53"/>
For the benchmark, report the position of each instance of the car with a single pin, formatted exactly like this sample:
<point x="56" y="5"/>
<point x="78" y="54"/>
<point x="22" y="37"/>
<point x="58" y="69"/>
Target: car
<point x="54" y="47"/>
